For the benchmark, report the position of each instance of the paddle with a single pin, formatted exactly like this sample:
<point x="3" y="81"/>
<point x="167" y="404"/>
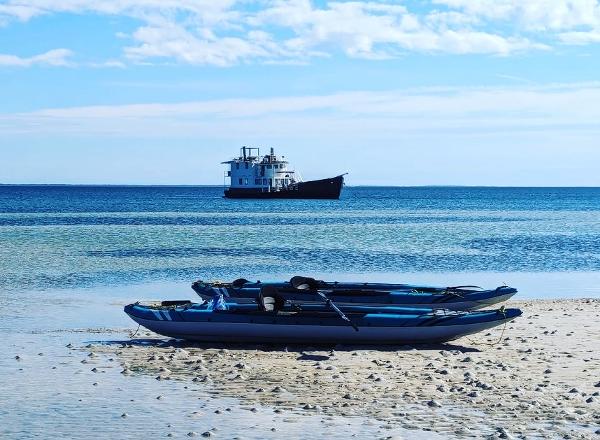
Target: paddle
<point x="335" y="308"/>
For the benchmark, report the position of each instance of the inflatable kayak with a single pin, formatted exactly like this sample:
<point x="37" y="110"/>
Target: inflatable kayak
<point x="302" y="289"/>
<point x="259" y="323"/>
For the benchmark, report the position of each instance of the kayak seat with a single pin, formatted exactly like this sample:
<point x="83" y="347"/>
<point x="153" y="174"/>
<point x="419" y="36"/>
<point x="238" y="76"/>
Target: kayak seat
<point x="269" y="299"/>
<point x="268" y="304"/>
<point x="239" y="283"/>
<point x="304" y="283"/>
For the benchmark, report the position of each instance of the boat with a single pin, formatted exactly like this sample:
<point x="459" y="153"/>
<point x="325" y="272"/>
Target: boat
<point x="253" y="176"/>
<point x="264" y="322"/>
<point x="302" y="289"/>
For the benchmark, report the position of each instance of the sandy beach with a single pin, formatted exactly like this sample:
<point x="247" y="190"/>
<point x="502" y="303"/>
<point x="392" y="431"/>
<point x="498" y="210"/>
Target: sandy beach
<point x="537" y="378"/>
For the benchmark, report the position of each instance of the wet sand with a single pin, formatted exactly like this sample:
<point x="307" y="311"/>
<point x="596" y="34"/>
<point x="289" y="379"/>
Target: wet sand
<point x="542" y="380"/>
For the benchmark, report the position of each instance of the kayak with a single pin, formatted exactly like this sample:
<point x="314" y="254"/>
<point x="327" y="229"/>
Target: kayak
<point x="253" y="323"/>
<point x="302" y="289"/>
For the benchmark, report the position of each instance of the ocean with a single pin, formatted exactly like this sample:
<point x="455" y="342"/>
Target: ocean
<point x="57" y="237"/>
<point x="72" y="256"/>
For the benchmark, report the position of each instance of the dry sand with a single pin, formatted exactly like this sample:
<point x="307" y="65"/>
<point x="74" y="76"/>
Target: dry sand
<point x="541" y="381"/>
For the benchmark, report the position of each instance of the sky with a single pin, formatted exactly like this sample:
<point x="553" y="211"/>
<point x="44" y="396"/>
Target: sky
<point x="434" y="92"/>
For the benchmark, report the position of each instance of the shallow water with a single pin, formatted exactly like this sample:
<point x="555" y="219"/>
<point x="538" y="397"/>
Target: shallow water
<point x="55" y="237"/>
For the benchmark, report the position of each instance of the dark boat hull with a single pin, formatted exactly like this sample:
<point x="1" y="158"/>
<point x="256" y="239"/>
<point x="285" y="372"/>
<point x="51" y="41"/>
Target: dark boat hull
<point x="199" y="323"/>
<point x="312" y="189"/>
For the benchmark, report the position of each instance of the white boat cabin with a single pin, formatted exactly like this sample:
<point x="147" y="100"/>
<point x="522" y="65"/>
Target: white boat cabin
<point x="264" y="173"/>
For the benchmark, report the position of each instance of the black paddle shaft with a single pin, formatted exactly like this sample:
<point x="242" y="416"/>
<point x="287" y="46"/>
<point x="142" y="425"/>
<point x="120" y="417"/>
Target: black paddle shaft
<point x="336" y="309"/>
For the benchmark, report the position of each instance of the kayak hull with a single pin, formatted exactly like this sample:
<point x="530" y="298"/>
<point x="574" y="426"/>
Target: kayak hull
<point x="382" y="328"/>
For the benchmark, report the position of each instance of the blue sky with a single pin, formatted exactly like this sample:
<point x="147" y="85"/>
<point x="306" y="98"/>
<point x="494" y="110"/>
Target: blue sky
<point x="458" y="92"/>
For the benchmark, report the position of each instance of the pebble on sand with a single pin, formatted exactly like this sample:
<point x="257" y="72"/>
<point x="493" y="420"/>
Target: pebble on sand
<point x="503" y="433"/>
<point x="434" y="404"/>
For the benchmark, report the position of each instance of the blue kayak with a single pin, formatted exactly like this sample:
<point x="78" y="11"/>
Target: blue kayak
<point x="303" y="289"/>
<point x="312" y="323"/>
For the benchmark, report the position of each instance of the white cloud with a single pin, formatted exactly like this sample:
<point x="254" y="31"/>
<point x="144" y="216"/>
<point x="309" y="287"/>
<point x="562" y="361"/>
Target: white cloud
<point x="172" y="41"/>
<point x="210" y="11"/>
<point x="532" y="14"/>
<point x="229" y="32"/>
<point x="375" y="30"/>
<point x="55" y="57"/>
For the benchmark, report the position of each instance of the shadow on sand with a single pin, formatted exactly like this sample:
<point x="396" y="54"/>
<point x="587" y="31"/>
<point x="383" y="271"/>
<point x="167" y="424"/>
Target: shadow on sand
<point x="303" y="350"/>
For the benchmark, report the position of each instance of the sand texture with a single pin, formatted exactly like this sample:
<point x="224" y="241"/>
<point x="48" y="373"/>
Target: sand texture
<point x="541" y="381"/>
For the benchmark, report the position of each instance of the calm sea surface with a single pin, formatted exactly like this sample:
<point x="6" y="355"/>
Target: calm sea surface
<point x="72" y="236"/>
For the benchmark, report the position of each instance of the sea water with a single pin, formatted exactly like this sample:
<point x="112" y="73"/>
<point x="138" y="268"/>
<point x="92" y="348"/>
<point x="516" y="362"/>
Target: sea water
<point x="73" y="236"/>
<point x="72" y="256"/>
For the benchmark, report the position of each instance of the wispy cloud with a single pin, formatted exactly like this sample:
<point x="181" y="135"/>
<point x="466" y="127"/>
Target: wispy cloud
<point x="55" y="57"/>
<point x="487" y="109"/>
<point x="230" y="32"/>
<point x="580" y="38"/>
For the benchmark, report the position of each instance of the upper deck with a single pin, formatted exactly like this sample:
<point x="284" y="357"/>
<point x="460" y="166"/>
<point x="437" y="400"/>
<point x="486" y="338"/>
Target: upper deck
<point x="252" y="171"/>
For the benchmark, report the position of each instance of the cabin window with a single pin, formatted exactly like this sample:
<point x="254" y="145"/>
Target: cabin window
<point x="264" y="181"/>
<point x="269" y="166"/>
<point x="270" y="182"/>
<point x="257" y="181"/>
<point x="240" y="180"/>
<point x="246" y="181"/>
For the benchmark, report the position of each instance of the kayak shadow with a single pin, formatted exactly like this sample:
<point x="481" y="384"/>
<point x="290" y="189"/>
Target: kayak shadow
<point x="303" y="350"/>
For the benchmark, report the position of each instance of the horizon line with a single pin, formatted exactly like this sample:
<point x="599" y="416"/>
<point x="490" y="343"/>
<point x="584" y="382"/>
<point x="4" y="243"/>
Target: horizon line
<point x="168" y="185"/>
